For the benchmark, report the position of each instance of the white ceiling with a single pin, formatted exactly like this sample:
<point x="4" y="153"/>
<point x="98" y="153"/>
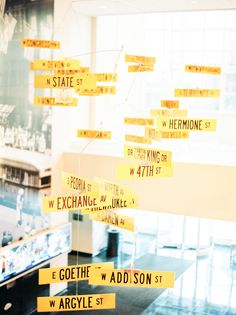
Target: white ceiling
<point x="114" y="7"/>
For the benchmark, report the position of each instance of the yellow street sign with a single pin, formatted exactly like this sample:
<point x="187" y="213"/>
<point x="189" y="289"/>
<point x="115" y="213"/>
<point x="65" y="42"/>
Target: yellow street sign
<point x="129" y="278"/>
<point x="39" y="43"/>
<point x="76" y="302"/>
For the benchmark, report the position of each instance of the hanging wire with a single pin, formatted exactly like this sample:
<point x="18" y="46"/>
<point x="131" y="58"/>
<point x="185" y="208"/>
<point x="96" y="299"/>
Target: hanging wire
<point x="92" y="140"/>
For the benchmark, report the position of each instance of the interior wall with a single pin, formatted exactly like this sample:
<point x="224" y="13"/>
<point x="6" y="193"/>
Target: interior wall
<point x="197" y="190"/>
<point x="88" y="236"/>
<point x="74" y="33"/>
<point x="77" y="41"/>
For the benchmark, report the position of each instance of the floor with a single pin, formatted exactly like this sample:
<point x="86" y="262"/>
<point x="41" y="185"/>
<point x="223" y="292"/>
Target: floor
<point x="207" y="287"/>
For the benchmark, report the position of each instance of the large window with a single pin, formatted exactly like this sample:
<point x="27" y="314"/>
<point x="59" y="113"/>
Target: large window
<point x="175" y="39"/>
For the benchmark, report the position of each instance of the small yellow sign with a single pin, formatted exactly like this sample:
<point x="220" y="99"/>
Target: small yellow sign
<point x="137" y="171"/>
<point x="39" y="43"/>
<point x="170" y="104"/>
<point x="114" y="189"/>
<point x="144" y="60"/>
<point x="74" y="202"/>
<point x="80" y="80"/>
<point x="169" y="112"/>
<point x="51" y="101"/>
<point x="175" y="134"/>
<point x="138" y="139"/>
<point x="112" y="218"/>
<point x="96" y="134"/>
<point x="152" y="133"/>
<point x="203" y="69"/>
<point x="106" y="77"/>
<point x="159" y="157"/>
<point x="139" y="121"/>
<point x="110" y="90"/>
<point x="76" y="302"/>
<point x="55" y="64"/>
<point x="80" y="184"/>
<point x="140" y="68"/>
<point x="89" y="93"/>
<point x="197" y="93"/>
<point x="71" y="71"/>
<point x="181" y="124"/>
<point x="70" y="273"/>
<point x="128" y="201"/>
<point x="129" y="278"/>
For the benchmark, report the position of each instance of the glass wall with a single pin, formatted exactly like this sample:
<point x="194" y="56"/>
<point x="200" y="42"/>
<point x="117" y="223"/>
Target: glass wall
<point x="175" y="39"/>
